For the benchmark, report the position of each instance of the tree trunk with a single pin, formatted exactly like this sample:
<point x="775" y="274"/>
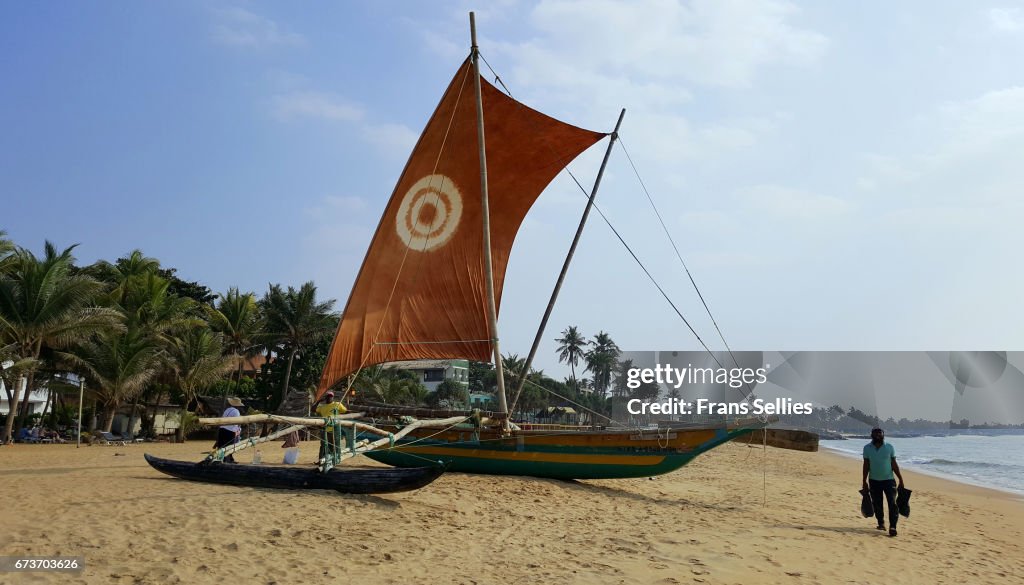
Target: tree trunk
<point x="288" y="374"/>
<point x="12" y="403"/>
<point x="179" y="433"/>
<point x="238" y="377"/>
<point x="24" y="401"/>
<point x="238" y="385"/>
<point x="131" y="418"/>
<point x="149" y="417"/>
<point x="46" y="407"/>
<point x="92" y="419"/>
<point x="109" y="413"/>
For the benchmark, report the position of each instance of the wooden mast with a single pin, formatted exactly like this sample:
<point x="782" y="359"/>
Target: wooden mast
<point x="492" y="312"/>
<point x="568" y="260"/>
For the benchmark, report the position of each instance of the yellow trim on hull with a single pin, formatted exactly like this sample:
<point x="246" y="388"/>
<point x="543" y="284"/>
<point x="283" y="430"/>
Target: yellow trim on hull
<point x="535" y="456"/>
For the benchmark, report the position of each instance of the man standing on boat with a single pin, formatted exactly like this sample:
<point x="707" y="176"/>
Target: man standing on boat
<point x="879" y="467"/>
<point x="329" y="409"/>
<point x="229" y="434"/>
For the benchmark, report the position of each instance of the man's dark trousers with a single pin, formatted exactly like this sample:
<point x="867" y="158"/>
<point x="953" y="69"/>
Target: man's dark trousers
<point x="887" y="487"/>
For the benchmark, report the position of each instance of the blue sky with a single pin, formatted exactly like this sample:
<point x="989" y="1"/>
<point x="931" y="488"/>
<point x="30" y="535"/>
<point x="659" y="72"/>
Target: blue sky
<point x="837" y="176"/>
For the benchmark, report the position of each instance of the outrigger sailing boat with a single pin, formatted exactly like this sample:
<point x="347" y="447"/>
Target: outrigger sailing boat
<point x="431" y="281"/>
<point x="429" y="288"/>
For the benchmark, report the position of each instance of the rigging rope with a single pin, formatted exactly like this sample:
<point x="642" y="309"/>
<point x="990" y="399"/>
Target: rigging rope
<point x="678" y="254"/>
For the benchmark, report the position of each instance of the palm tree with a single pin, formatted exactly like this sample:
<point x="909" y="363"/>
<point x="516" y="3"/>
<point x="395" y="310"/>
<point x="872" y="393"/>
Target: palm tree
<point x="570" y="350"/>
<point x="119" y="366"/>
<point x="196" y="358"/>
<point x="236" y="316"/>
<point x="150" y="309"/>
<point x="601" y="360"/>
<point x="120" y="273"/>
<point x="397" y="389"/>
<point x="148" y="304"/>
<point x="513" y="366"/>
<point x="44" y="305"/>
<point x="621" y="374"/>
<point x="6" y="252"/>
<point x="294" y="319"/>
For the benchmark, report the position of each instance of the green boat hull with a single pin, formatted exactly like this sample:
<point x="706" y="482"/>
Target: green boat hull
<point x="547" y="460"/>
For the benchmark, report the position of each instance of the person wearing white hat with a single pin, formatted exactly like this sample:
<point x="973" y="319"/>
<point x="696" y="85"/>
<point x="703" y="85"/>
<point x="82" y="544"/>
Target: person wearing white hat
<point x="229" y="434"/>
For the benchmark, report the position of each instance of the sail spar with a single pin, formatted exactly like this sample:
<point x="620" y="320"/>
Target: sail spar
<point x="421" y="291"/>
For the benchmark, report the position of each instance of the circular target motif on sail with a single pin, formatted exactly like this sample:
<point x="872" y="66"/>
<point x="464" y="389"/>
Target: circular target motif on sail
<point x="429" y="213"/>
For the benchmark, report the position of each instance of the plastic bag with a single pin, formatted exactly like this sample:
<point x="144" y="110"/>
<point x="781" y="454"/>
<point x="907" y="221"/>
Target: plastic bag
<point x="291" y="455"/>
<point x="867" y="509"/>
<point x="903" y="501"/>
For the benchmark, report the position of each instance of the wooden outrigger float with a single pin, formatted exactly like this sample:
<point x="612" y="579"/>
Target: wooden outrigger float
<point x="339" y="444"/>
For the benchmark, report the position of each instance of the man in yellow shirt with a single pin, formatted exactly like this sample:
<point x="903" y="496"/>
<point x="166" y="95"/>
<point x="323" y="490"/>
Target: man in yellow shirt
<point x="328" y="409"/>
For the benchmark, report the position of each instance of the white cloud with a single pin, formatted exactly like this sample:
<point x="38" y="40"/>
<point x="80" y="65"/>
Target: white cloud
<point x="238" y="27"/>
<point x="787" y="203"/>
<point x="336" y="206"/>
<point x="311" y="104"/>
<point x="710" y="42"/>
<point x="394" y="139"/>
<point x="707" y="221"/>
<point x="1006" y="19"/>
<point x="973" y="158"/>
<point x="443" y="46"/>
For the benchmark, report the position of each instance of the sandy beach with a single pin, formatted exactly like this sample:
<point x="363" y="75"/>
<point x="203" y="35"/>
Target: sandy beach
<point x="706" y="523"/>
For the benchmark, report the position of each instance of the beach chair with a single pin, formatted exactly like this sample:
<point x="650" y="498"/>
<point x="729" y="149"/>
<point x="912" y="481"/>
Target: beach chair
<point x="108" y="438"/>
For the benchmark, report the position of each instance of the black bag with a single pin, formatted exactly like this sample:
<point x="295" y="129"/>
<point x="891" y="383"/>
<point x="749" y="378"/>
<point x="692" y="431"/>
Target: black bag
<point x="866" y="508"/>
<point x="903" y="501"/>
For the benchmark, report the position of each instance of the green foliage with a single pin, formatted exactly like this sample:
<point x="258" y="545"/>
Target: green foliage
<point x="187" y="289"/>
<point x="63" y="415"/>
<point x="621" y="389"/>
<point x="6" y="252"/>
<point x="449" y="394"/>
<point x="392" y="386"/>
<point x="601" y="360"/>
<point x="305" y="374"/>
<point x="247" y="388"/>
<point x="481" y="376"/>
<point x="45" y="305"/>
<point x="294" y="321"/>
<point x="118" y="366"/>
<point x="571" y="349"/>
<point x="188" y="422"/>
<point x="197" y="360"/>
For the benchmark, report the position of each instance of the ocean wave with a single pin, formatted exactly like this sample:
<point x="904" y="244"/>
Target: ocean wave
<point x="951" y="463"/>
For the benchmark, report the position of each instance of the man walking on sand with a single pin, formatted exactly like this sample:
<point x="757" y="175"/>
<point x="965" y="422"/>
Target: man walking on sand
<point x="879" y="467"/>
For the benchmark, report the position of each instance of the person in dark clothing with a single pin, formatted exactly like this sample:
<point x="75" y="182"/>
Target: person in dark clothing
<point x="879" y="467"/>
<point x="228" y="435"/>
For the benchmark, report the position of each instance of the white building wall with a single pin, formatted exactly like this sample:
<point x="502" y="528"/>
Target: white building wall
<point x="35" y="402"/>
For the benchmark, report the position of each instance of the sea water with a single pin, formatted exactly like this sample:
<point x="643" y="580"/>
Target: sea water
<point x="992" y="459"/>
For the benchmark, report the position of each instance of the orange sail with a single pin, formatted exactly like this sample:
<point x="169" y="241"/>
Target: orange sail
<point x="421" y="292"/>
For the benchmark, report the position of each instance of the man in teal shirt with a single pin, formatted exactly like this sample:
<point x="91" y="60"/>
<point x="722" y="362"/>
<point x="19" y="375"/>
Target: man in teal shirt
<point x="879" y="467"/>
